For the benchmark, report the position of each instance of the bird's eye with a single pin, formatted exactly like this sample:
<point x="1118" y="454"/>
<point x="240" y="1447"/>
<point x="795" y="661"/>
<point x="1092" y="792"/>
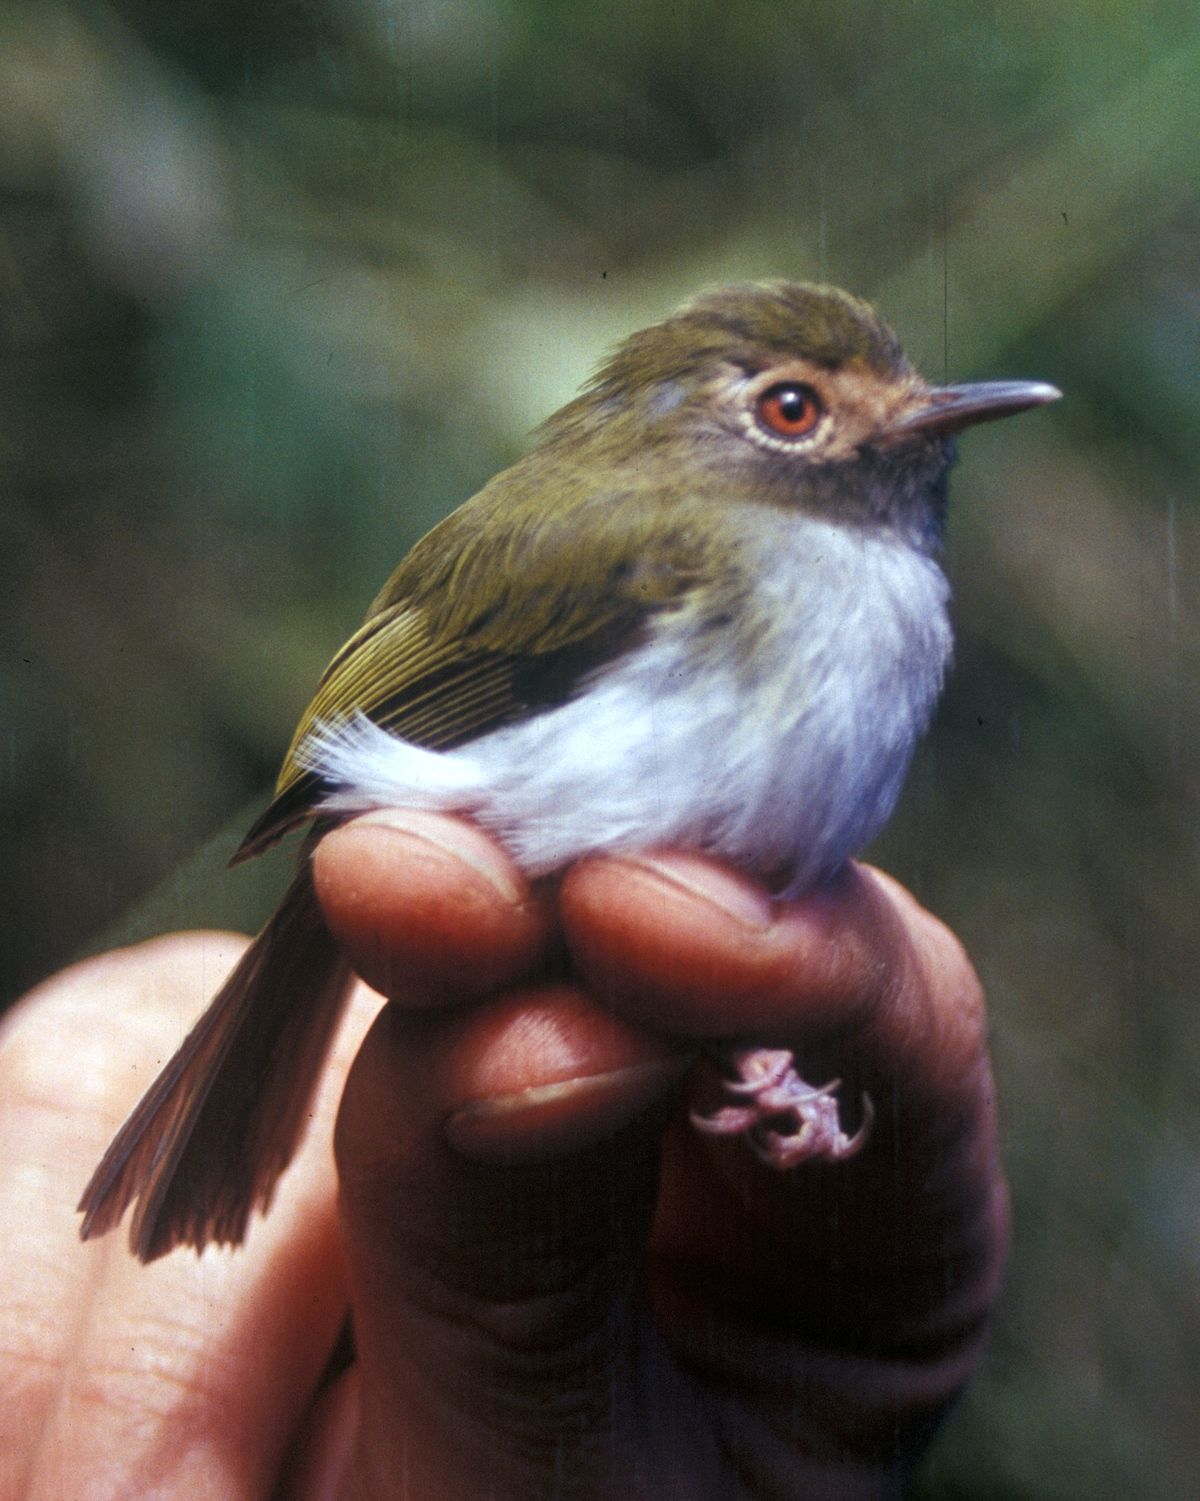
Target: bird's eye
<point x="789" y="409"/>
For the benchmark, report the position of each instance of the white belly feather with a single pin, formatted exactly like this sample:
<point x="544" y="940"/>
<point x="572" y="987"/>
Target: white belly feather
<point x="794" y="759"/>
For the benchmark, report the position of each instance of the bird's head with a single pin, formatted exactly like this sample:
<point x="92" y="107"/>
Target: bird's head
<point x="785" y="394"/>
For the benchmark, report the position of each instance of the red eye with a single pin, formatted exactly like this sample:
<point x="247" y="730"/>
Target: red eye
<point x="789" y="409"/>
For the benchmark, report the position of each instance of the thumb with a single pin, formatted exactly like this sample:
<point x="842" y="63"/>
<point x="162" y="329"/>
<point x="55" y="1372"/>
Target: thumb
<point x="498" y="1175"/>
<point x="498" y="1169"/>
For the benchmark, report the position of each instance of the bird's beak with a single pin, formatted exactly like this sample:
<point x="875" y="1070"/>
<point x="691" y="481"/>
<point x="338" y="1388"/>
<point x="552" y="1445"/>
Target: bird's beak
<point x="947" y="409"/>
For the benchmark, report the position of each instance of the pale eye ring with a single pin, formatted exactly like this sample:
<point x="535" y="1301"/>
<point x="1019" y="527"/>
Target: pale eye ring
<point x="789" y="409"/>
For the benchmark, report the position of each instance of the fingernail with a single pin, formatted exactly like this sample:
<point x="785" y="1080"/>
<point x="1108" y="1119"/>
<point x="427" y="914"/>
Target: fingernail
<point x="733" y="898"/>
<point x="552" y="1119"/>
<point x="459" y="840"/>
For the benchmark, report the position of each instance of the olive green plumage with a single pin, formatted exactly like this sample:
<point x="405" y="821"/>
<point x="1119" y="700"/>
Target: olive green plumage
<point x="498" y="613"/>
<point x="753" y="324"/>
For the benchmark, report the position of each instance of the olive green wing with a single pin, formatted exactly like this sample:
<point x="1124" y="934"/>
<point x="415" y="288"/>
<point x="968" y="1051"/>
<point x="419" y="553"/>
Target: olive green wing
<point x="440" y="676"/>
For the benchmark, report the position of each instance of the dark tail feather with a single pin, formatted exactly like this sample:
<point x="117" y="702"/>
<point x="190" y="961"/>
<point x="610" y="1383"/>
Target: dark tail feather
<point x="211" y="1135"/>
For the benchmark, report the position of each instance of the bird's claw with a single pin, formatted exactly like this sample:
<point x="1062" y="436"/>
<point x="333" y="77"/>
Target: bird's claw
<point x="783" y="1120"/>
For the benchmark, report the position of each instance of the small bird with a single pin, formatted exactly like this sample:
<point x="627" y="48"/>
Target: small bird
<point x="705" y="611"/>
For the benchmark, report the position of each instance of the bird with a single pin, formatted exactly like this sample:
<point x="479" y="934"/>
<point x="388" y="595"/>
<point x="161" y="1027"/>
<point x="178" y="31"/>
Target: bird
<point x="704" y="611"/>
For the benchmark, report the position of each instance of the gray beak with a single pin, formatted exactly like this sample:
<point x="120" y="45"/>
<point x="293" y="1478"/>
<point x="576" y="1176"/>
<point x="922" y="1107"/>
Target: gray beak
<point x="948" y="409"/>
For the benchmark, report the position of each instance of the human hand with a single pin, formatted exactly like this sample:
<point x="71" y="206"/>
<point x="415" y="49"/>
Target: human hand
<point x="559" y="1288"/>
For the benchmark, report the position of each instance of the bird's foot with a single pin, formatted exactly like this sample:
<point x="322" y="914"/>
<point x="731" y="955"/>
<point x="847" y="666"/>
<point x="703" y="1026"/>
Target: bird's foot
<point x="783" y="1120"/>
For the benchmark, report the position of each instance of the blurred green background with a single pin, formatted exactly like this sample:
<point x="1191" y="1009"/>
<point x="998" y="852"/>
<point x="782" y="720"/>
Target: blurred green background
<point x="281" y="283"/>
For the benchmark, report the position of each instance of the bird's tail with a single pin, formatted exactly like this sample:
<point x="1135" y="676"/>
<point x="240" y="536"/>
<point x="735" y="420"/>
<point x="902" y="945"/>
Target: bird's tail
<point x="211" y="1135"/>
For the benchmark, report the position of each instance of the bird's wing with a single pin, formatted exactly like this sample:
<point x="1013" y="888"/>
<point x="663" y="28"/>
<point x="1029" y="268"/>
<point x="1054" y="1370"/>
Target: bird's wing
<point x="443" y="660"/>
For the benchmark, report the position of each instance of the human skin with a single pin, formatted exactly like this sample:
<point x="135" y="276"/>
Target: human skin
<point x="558" y="1287"/>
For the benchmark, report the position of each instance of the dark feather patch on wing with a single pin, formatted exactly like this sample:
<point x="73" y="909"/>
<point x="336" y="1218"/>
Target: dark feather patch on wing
<point x="448" y="702"/>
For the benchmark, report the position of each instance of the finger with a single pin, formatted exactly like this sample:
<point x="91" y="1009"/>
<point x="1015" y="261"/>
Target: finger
<point x="498" y="1172"/>
<point x="428" y="907"/>
<point x="862" y="984"/>
<point x="186" y="1378"/>
<point x="686" y="944"/>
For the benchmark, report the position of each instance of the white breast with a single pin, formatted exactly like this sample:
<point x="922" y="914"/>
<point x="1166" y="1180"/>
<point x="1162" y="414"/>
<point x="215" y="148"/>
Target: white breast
<point x="790" y="758"/>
